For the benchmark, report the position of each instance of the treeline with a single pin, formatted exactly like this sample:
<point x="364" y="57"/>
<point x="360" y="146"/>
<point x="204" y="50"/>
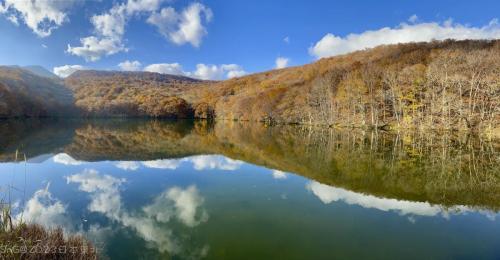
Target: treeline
<point x="454" y="88"/>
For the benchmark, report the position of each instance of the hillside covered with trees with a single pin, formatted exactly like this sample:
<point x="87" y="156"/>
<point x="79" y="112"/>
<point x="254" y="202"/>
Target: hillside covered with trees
<point x="134" y="94"/>
<point x="437" y="85"/>
<point x="23" y="93"/>
<point x="445" y="85"/>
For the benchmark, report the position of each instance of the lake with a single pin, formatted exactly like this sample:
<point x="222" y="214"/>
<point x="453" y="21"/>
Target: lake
<point x="195" y="189"/>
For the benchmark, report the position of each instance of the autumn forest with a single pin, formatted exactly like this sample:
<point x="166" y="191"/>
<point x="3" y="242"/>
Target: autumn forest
<point x="448" y="85"/>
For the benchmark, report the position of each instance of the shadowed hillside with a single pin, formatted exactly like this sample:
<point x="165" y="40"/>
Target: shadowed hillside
<point x="25" y="94"/>
<point x="41" y="71"/>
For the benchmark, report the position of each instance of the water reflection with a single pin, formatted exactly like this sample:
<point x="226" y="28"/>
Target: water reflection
<point x="183" y="204"/>
<point x="438" y="168"/>
<point x="103" y="178"/>
<point x="44" y="209"/>
<point x="199" y="163"/>
<point x="328" y="194"/>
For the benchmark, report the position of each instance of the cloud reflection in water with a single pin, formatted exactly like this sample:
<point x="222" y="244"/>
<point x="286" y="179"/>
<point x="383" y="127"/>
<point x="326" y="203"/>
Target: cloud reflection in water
<point x="328" y="194"/>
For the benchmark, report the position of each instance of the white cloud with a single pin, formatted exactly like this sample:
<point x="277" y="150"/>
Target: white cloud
<point x="44" y="46"/>
<point x="127" y="166"/>
<point x="43" y="209"/>
<point x="184" y="27"/>
<point x="65" y="159"/>
<point x="130" y="65"/>
<point x="135" y="6"/>
<point x="286" y="40"/>
<point x="204" y="162"/>
<point x="112" y="23"/>
<point x="149" y="223"/>
<point x="203" y="71"/>
<point x="93" y="48"/>
<point x="109" y="28"/>
<point x="170" y="164"/>
<point x="281" y="62"/>
<point x="91" y="181"/>
<point x="198" y="162"/>
<point x="331" y="44"/>
<point x="186" y="206"/>
<point x="106" y="197"/>
<point x="41" y="16"/>
<point x="279" y="174"/>
<point x="214" y="72"/>
<point x="328" y="194"/>
<point x="413" y="18"/>
<point x="66" y="70"/>
<point x="166" y="68"/>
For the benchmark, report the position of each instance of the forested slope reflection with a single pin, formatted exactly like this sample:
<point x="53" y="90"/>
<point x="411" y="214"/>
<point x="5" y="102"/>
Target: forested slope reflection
<point x="440" y="168"/>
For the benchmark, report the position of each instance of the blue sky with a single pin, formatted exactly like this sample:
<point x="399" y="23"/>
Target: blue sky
<point x="220" y="39"/>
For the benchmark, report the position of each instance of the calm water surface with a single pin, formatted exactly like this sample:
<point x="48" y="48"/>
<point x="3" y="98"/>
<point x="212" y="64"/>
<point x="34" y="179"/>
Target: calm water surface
<point x="156" y="189"/>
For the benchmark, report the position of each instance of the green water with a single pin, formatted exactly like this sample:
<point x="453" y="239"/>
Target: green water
<point x="193" y="189"/>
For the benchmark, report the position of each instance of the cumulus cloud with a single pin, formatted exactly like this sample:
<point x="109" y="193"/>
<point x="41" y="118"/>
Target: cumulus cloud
<point x="130" y="65"/>
<point x="65" y="159"/>
<point x="279" y="174"/>
<point x="205" y="162"/>
<point x="331" y="44"/>
<point x="112" y="23"/>
<point x="134" y="6"/>
<point x="90" y="181"/>
<point x="127" y="166"/>
<point x="184" y="27"/>
<point x="41" y="16"/>
<point x="93" y="48"/>
<point x="66" y="70"/>
<point x="106" y="197"/>
<point x="43" y="209"/>
<point x="281" y="62"/>
<point x="110" y="26"/>
<point x="328" y="194"/>
<point x="170" y="164"/>
<point x="185" y="205"/>
<point x="203" y="71"/>
<point x="214" y="72"/>
<point x="166" y="68"/>
<point x="198" y="162"/>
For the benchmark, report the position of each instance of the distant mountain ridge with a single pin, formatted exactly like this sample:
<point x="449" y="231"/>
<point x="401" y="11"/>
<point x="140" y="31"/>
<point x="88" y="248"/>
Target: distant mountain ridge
<point x="85" y="77"/>
<point x="38" y="70"/>
<point x="130" y="74"/>
<point x="41" y="71"/>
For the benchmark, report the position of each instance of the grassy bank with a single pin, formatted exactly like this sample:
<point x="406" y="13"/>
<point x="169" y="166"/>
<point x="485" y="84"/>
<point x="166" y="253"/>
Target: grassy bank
<point x="32" y="241"/>
<point x="19" y="240"/>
